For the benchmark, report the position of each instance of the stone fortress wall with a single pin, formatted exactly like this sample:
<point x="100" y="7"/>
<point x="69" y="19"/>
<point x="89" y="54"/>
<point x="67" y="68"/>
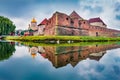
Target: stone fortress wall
<point x="73" y="24"/>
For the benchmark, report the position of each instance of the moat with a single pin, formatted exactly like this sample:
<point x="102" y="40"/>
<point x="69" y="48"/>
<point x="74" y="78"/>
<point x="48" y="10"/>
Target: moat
<point x="98" y="61"/>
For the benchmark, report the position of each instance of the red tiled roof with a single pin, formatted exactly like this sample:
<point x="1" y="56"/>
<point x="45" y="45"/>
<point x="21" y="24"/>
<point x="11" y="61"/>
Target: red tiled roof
<point x="92" y="20"/>
<point x="43" y="22"/>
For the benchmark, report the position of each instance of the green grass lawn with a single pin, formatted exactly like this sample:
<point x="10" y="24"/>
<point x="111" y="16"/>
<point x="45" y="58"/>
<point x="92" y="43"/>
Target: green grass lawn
<point x="62" y="38"/>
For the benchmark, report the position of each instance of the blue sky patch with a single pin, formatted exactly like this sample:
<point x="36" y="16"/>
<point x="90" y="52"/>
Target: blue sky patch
<point x="118" y="17"/>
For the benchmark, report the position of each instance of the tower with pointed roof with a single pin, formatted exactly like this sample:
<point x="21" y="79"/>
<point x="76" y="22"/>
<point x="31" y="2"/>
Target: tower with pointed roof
<point x="33" y="25"/>
<point x="41" y="27"/>
<point x="33" y="51"/>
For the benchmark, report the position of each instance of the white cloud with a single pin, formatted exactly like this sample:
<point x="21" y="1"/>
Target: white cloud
<point x="39" y="12"/>
<point x="86" y="9"/>
<point x="102" y="69"/>
<point x="20" y="53"/>
<point x="107" y="13"/>
<point x="21" y="23"/>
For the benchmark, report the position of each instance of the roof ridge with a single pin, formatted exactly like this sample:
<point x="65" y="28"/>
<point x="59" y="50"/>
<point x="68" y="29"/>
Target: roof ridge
<point x="74" y="14"/>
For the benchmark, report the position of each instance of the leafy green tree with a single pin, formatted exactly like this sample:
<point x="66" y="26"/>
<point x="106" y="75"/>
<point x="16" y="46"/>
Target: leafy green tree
<point x="6" y="26"/>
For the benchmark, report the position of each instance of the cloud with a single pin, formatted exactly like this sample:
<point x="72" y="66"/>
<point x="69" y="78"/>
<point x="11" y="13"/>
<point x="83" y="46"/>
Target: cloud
<point x="101" y="70"/>
<point x="20" y="23"/>
<point x="106" y="9"/>
<point x="40" y="12"/>
<point x="22" y="11"/>
<point x="20" y="52"/>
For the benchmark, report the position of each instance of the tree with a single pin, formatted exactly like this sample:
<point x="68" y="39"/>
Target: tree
<point x="6" y="26"/>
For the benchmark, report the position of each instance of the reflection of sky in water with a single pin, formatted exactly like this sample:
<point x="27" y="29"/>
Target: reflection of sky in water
<point x="21" y="66"/>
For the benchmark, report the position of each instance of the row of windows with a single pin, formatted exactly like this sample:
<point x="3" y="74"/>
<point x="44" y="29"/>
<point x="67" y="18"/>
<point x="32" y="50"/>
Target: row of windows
<point x="72" y="22"/>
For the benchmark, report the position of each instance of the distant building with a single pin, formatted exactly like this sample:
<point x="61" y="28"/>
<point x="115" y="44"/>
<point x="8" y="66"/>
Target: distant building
<point x="41" y="27"/>
<point x="18" y="32"/>
<point x="33" y="25"/>
<point x="33" y="28"/>
<point x="71" y="25"/>
<point x="97" y="22"/>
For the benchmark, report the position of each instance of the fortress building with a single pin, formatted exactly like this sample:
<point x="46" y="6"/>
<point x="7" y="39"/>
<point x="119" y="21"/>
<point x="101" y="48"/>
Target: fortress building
<point x="41" y="27"/>
<point x="71" y="25"/>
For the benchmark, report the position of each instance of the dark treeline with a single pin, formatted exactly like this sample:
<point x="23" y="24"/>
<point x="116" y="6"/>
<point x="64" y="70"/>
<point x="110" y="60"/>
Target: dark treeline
<point x="6" y="26"/>
<point x="6" y="50"/>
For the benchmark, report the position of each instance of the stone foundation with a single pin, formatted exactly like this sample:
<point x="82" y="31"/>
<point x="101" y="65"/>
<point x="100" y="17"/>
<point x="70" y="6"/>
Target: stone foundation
<point x="71" y="31"/>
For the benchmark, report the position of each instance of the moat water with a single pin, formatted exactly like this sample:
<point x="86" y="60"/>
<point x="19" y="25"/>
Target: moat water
<point x="84" y="62"/>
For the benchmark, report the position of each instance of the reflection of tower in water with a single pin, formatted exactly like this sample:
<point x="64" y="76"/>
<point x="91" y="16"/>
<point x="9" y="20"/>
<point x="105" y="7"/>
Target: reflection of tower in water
<point x="63" y="55"/>
<point x="35" y="50"/>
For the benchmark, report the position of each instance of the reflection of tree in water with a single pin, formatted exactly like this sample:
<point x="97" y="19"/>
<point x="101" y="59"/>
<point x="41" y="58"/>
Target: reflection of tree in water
<point x="6" y="49"/>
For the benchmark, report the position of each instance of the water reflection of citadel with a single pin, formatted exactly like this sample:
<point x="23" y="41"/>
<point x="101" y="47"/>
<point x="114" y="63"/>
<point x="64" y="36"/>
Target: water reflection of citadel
<point x="63" y="55"/>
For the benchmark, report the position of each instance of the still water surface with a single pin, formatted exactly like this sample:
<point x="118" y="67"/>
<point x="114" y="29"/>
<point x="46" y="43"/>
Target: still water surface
<point x="89" y="62"/>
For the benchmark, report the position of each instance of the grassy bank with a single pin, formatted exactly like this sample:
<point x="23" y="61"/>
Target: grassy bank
<point x="61" y="38"/>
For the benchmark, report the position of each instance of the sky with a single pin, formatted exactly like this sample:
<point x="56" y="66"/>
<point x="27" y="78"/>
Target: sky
<point x="22" y="11"/>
